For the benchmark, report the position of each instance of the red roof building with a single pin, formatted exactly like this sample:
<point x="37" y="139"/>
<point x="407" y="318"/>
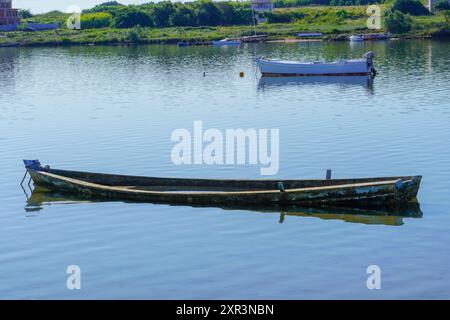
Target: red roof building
<point x="8" y="15"/>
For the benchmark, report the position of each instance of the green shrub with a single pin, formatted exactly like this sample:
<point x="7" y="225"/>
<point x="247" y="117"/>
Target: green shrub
<point x="24" y="14"/>
<point x="130" y="18"/>
<point x="209" y="13"/>
<point x="279" y="17"/>
<point x="442" y="5"/>
<point x="96" y="20"/>
<point x="397" y="21"/>
<point x="133" y="36"/>
<point x="413" y="7"/>
<point x="341" y="15"/>
<point x="184" y="16"/>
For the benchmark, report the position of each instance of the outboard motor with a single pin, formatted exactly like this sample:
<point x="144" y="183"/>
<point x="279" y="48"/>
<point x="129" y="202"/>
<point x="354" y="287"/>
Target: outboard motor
<point x="369" y="56"/>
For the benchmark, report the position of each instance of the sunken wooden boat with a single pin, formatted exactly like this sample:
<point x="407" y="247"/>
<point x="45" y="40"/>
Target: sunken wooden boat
<point x="365" y="192"/>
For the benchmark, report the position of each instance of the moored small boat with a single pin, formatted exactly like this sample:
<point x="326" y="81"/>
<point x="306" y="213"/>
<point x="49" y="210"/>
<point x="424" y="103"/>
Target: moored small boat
<point x="9" y="45"/>
<point x="309" y="35"/>
<point x="377" y="36"/>
<point x="384" y="192"/>
<point x="355" y="38"/>
<point x="226" y="42"/>
<point x="370" y="36"/>
<point x="271" y="67"/>
<point x="183" y="44"/>
<point x="255" y="38"/>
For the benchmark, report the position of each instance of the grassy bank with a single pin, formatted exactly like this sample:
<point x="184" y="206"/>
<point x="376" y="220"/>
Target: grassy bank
<point x="334" y="22"/>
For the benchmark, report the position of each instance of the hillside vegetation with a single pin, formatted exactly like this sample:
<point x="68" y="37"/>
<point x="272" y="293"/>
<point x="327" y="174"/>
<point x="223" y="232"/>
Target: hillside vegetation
<point x="204" y="20"/>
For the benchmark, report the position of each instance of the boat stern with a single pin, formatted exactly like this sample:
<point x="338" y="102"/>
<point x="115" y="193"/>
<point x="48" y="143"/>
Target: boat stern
<point x="406" y="190"/>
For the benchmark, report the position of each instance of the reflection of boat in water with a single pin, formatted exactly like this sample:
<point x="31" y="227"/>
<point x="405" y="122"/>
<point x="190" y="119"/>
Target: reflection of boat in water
<point x="365" y="81"/>
<point x="393" y="217"/>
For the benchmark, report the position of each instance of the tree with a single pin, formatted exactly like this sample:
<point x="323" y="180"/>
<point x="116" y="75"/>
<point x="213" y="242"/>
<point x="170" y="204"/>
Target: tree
<point x="25" y="13"/>
<point x="184" y="16"/>
<point x="96" y="20"/>
<point x="163" y="12"/>
<point x="129" y="18"/>
<point x="279" y="17"/>
<point x="209" y="14"/>
<point x="442" y="5"/>
<point x="110" y="7"/>
<point x="413" y="7"/>
<point x="397" y="21"/>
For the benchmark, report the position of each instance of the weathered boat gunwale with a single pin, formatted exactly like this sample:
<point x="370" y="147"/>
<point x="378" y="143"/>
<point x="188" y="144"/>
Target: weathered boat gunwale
<point x="250" y="192"/>
<point x="391" y="191"/>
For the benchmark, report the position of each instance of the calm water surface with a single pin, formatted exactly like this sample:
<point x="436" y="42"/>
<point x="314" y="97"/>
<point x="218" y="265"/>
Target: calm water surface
<point x="113" y="109"/>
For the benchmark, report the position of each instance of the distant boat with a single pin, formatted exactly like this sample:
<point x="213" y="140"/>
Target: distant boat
<point x="377" y="36"/>
<point x="371" y="36"/>
<point x="8" y="45"/>
<point x="226" y="42"/>
<point x="276" y="68"/>
<point x="382" y="192"/>
<point x="356" y="38"/>
<point x="309" y="35"/>
<point x="255" y="38"/>
<point x="183" y="44"/>
<point x="32" y="26"/>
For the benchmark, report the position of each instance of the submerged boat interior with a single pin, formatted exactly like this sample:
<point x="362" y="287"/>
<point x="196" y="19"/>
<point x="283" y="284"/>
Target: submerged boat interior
<point x="210" y="185"/>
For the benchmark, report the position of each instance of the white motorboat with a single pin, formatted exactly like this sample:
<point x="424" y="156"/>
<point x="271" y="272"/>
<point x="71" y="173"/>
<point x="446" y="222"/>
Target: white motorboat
<point x="356" y="38"/>
<point x="226" y="42"/>
<point x="274" y="68"/>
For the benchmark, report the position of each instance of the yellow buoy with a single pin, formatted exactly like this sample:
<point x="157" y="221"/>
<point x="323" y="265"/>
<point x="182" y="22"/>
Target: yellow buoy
<point x="241" y="74"/>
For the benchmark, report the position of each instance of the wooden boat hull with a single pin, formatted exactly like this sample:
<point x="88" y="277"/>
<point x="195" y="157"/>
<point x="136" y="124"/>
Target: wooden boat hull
<point x="254" y="38"/>
<point x="273" y="68"/>
<point x="226" y="43"/>
<point x="373" y="192"/>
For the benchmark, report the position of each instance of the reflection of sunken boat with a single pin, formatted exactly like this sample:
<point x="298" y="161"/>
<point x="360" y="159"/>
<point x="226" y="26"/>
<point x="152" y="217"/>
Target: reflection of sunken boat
<point x="394" y="217"/>
<point x="365" y="81"/>
<point x="362" y="192"/>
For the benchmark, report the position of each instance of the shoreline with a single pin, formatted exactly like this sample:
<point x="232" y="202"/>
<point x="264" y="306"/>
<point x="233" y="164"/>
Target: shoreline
<point x="198" y="41"/>
<point x="335" y="23"/>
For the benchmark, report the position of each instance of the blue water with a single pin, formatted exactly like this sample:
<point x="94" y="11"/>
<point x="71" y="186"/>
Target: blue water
<point x="113" y="109"/>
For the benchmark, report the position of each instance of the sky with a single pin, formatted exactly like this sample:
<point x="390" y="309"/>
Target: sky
<point x="39" y="6"/>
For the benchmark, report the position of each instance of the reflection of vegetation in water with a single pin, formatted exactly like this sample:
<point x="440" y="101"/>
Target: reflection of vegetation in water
<point x="393" y="217"/>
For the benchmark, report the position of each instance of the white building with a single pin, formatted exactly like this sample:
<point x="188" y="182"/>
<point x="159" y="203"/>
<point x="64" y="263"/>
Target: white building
<point x="261" y="6"/>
